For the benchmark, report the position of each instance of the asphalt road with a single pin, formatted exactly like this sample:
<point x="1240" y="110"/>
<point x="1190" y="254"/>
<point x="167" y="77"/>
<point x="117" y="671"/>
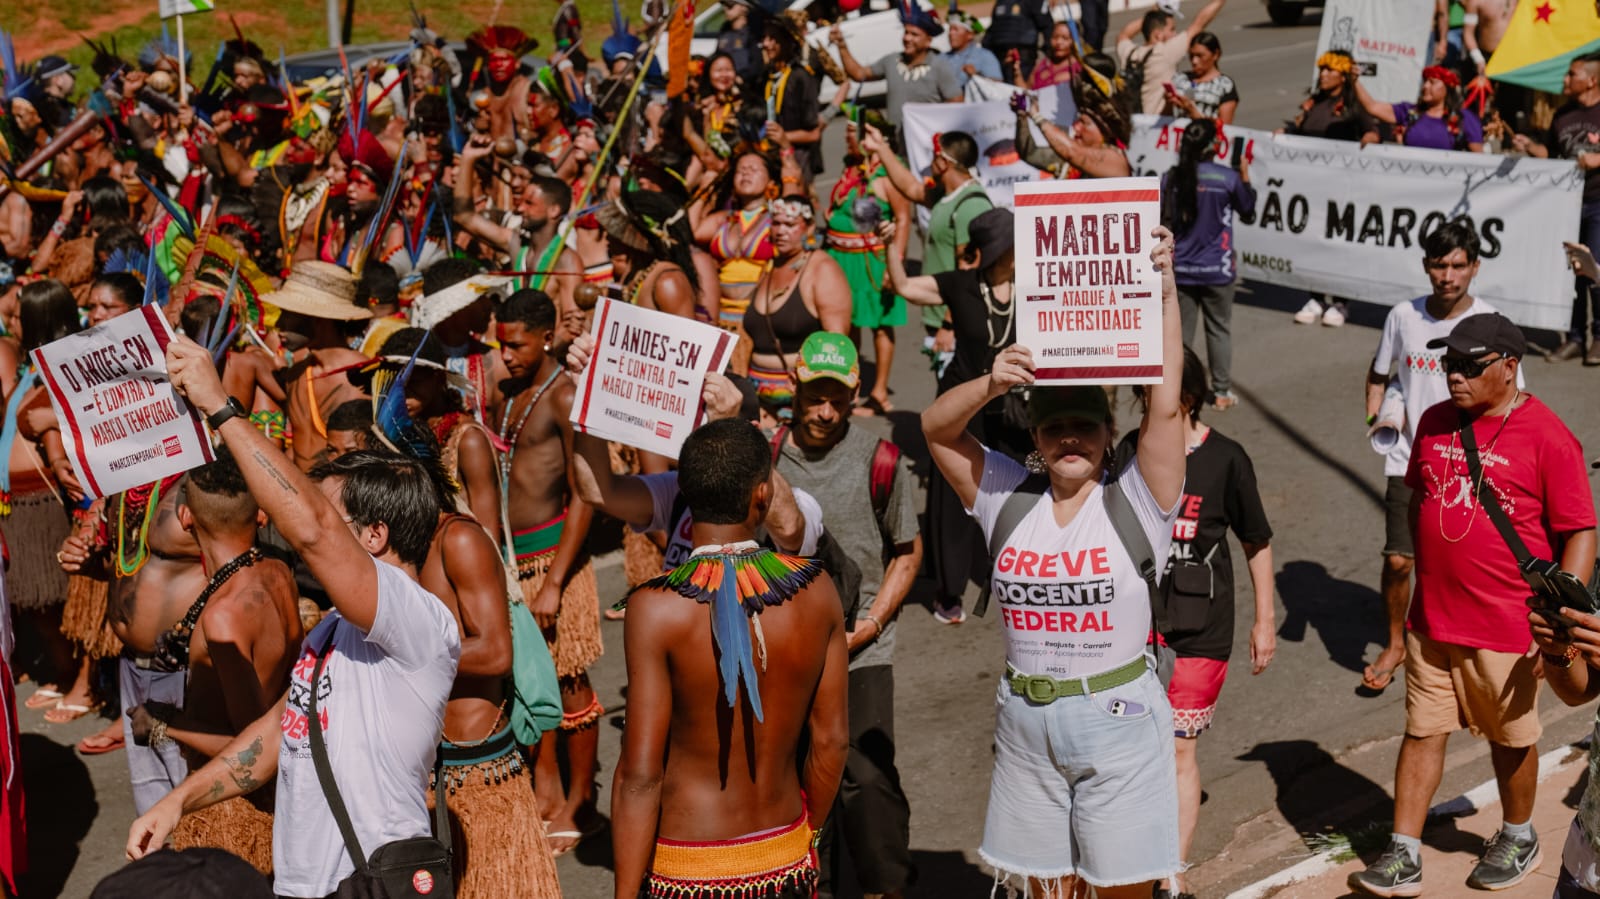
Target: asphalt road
<point x="1294" y="751"/>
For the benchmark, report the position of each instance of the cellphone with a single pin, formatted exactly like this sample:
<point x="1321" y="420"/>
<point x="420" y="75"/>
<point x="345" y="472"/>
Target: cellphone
<point x="1019" y="103"/>
<point x="1167" y="86"/>
<point x="1238" y="153"/>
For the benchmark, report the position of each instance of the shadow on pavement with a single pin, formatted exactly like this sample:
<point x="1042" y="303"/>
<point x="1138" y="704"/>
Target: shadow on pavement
<point x="1299" y="438"/>
<point x="61" y="804"/>
<point x="1314" y="791"/>
<point x="1347" y="616"/>
<point x="948" y="873"/>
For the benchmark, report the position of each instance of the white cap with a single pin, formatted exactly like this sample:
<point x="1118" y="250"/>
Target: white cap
<point x="1170" y="7"/>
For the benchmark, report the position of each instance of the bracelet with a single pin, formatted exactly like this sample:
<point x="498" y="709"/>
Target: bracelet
<point x="1564" y="660"/>
<point x="1476" y="54"/>
<point x="1371" y="419"/>
<point x="788" y="151"/>
<point x="59" y="228"/>
<point x="158" y="738"/>
<point x="1037" y="117"/>
<point x="876" y="623"/>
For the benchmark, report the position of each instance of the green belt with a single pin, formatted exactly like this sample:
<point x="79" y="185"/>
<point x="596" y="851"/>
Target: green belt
<point x="1044" y="689"/>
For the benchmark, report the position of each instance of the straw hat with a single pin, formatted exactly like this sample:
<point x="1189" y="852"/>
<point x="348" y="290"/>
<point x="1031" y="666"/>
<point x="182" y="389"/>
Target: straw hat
<point x="435" y="308"/>
<point x="320" y="290"/>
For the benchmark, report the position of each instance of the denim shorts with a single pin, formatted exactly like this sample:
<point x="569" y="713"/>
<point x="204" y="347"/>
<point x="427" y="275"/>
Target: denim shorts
<point x="1086" y="786"/>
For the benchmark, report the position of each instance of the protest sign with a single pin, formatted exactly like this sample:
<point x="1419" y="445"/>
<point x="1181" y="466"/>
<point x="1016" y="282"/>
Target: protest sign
<point x="1337" y="218"/>
<point x="1088" y="299"/>
<point x="121" y="422"/>
<point x="992" y="124"/>
<point x="642" y="387"/>
<point x="1389" y="41"/>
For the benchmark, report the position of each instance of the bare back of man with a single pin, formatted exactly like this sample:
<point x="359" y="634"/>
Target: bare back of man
<point x="315" y="387"/>
<point x="142" y="605"/>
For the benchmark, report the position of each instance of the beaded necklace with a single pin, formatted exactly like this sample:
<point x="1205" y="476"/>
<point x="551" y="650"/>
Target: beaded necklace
<point x="148" y="497"/>
<point x="509" y="436"/>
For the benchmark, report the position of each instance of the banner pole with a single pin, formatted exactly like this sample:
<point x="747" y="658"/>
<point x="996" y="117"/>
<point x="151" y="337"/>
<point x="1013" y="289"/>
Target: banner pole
<point x="183" y="70"/>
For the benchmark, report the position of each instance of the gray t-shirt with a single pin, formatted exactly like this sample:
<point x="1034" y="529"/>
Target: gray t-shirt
<point x="840" y="480"/>
<point x="930" y="81"/>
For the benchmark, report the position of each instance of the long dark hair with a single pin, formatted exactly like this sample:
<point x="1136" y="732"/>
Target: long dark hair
<point x="1180" y="202"/>
<point x="47" y="312"/>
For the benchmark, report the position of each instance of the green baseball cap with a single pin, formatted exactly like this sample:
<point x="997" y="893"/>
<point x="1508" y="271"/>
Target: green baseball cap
<point x="828" y="355"/>
<point x="1047" y="404"/>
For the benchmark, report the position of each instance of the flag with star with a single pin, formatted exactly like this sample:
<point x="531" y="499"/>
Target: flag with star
<point x="1543" y="39"/>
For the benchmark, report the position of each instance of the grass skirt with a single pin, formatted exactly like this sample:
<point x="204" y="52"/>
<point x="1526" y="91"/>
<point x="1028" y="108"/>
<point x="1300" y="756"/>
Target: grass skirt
<point x="499" y="845"/>
<point x="235" y="825"/>
<point x="575" y="641"/>
<point x="33" y="533"/>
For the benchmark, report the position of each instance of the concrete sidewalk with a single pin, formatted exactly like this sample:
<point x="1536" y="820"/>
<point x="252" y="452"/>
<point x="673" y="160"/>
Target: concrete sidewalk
<point x="1451" y="843"/>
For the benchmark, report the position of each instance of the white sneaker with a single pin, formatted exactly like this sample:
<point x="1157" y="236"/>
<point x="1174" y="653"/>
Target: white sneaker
<point x="1309" y="313"/>
<point x="1334" y="316"/>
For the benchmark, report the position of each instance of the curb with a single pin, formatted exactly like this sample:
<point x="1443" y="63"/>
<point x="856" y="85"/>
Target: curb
<point x="1479" y="797"/>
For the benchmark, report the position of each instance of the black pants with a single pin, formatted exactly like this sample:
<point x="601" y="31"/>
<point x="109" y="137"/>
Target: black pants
<point x="1095" y="18"/>
<point x="871" y="816"/>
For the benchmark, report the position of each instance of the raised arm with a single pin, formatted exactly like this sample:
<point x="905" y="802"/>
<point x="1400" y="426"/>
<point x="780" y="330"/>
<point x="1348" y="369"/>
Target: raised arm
<point x="900" y="177"/>
<point x="958" y="454"/>
<point x="1161" y="451"/>
<point x="303" y="515"/>
<point x="466" y="192"/>
<point x="923" y="290"/>
<point x="1201" y="20"/>
<point x="854" y="69"/>
<point x="1383" y="112"/>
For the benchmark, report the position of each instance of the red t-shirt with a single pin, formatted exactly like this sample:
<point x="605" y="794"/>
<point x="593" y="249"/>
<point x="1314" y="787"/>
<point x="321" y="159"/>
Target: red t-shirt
<point x="1468" y="590"/>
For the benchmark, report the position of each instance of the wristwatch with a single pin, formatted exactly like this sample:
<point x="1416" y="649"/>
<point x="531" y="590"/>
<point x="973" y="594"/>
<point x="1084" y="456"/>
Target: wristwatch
<point x="229" y="410"/>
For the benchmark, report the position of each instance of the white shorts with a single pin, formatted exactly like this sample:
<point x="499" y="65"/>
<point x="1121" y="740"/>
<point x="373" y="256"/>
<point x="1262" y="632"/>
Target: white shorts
<point x="1085" y="786"/>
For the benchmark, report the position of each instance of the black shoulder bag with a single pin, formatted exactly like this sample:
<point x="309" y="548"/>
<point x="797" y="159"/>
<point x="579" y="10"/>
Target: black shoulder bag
<point x="404" y="869"/>
<point x="1553" y="589"/>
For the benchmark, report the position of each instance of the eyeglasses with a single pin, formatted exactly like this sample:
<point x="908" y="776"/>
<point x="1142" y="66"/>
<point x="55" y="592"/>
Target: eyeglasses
<point x="1468" y="368"/>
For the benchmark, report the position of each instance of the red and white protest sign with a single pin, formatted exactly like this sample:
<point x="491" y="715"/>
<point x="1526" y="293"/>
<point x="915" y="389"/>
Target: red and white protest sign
<point x="121" y="421"/>
<point x="1088" y="300"/>
<point x="643" y="384"/>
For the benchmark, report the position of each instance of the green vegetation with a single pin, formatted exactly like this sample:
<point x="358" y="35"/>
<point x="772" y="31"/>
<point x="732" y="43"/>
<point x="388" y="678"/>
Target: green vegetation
<point x="296" y="25"/>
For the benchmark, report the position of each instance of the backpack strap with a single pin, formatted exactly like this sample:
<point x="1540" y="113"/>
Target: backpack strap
<point x="885" y="460"/>
<point x="778" y="437"/>
<point x="1126" y="523"/>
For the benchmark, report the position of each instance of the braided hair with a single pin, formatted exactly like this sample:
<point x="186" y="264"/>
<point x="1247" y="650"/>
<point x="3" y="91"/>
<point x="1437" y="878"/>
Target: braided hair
<point x="1180" y="199"/>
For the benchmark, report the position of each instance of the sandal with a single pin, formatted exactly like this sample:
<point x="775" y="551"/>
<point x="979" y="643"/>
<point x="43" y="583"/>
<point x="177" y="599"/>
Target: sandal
<point x="66" y="713"/>
<point x="871" y="405"/>
<point x="99" y="744"/>
<point x="43" y="698"/>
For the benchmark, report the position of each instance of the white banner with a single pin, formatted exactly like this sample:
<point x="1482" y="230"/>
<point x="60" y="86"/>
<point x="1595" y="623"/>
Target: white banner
<point x="1335" y="217"/>
<point x="991" y="123"/>
<point x="1388" y="38"/>
<point x="121" y="422"/>
<point x="643" y="384"/>
<point x="1088" y="299"/>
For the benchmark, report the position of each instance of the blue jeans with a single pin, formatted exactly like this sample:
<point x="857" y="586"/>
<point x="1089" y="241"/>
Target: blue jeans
<point x="1587" y="300"/>
<point x="152" y="772"/>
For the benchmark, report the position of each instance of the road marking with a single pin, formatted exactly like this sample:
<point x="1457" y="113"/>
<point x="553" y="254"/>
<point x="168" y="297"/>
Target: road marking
<point x="1269" y="51"/>
<point x="1479" y="797"/>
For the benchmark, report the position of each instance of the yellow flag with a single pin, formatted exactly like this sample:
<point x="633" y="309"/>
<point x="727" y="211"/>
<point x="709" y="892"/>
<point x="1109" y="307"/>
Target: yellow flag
<point x="1544" y="37"/>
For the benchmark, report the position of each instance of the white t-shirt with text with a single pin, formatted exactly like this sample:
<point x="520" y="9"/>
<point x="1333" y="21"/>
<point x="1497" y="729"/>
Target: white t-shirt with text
<point x="663" y="489"/>
<point x="1403" y="354"/>
<point x="381" y="701"/>
<point x="1071" y="601"/>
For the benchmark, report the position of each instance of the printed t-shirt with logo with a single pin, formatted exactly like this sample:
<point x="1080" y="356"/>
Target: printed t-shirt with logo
<point x="1071" y="600"/>
<point x="663" y="489"/>
<point x="1468" y="588"/>
<point x="1219" y="492"/>
<point x="381" y="699"/>
<point x="1403" y="353"/>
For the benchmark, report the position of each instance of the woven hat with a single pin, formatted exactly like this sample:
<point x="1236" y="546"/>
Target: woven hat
<point x="320" y="290"/>
<point x="429" y="311"/>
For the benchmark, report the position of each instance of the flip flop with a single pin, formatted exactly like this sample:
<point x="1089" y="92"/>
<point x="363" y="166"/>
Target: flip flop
<point x="613" y="614"/>
<point x="66" y="713"/>
<point x="99" y="744"/>
<point x="871" y="405"/>
<point x="43" y="698"/>
<point x="577" y="837"/>
<point x="1385" y="677"/>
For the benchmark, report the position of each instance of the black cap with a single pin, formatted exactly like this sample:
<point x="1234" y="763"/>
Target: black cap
<point x="991" y="235"/>
<point x="51" y="66"/>
<point x="1475" y="335"/>
<point x="190" y="874"/>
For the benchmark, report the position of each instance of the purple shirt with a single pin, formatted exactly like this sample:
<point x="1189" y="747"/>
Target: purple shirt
<point x="1434" y="133"/>
<point x="1204" y="253"/>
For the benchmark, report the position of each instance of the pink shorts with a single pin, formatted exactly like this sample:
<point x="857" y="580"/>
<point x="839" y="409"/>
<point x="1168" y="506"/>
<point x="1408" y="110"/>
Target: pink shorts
<point x="1196" y="684"/>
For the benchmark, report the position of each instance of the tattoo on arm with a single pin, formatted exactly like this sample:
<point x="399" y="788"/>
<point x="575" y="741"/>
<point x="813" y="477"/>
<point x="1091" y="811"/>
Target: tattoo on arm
<point x="272" y="470"/>
<point x="241" y="767"/>
<point x="214" y="794"/>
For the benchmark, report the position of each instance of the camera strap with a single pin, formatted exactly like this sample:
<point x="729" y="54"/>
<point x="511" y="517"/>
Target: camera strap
<point x="1491" y="503"/>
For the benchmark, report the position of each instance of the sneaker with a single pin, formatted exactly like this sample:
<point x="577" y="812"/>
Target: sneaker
<point x="949" y="615"/>
<point x="1393" y="874"/>
<point x="1309" y="313"/>
<point x="1569" y="349"/>
<point x="1333" y="317"/>
<point x="1506" y="861"/>
<point x="1223" y="400"/>
<point x="1593" y="357"/>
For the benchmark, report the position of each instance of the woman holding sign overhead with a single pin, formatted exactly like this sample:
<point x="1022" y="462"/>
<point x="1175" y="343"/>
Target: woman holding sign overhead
<point x="1082" y="717"/>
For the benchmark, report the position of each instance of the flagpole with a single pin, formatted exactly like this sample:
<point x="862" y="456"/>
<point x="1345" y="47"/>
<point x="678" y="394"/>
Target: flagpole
<point x="183" y="74"/>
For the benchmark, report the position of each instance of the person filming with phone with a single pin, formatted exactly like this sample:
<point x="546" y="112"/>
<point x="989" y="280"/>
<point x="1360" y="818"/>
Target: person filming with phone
<point x="1500" y="509"/>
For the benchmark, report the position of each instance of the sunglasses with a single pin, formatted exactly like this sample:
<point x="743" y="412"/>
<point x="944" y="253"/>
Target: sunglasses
<point x="1467" y="368"/>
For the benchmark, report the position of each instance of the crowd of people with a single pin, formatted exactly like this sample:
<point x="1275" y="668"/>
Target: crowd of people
<point x="361" y="637"/>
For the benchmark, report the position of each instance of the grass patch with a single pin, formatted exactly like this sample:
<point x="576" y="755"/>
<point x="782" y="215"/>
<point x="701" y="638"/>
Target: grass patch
<point x="1349" y="843"/>
<point x="296" y="25"/>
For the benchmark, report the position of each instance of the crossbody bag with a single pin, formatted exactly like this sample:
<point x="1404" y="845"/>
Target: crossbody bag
<point x="404" y="869"/>
<point x="1553" y="588"/>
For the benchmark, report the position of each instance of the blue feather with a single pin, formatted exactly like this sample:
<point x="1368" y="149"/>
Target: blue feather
<point x="178" y="213"/>
<point x="227" y="341"/>
<point x="730" y="628"/>
<point x="392" y="420"/>
<point x="150" y="268"/>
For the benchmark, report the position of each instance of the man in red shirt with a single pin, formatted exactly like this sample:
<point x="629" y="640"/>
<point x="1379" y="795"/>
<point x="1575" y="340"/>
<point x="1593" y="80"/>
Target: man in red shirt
<point x="1470" y="657"/>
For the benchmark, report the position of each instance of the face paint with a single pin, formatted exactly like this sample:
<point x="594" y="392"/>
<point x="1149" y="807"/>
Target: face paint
<point x="502" y="65"/>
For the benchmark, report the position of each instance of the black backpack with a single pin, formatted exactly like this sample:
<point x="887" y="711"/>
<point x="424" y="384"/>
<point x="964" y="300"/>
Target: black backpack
<point x="1130" y="86"/>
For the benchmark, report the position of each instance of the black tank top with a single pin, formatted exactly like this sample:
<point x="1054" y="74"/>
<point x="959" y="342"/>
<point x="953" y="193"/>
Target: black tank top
<point x="787" y="328"/>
